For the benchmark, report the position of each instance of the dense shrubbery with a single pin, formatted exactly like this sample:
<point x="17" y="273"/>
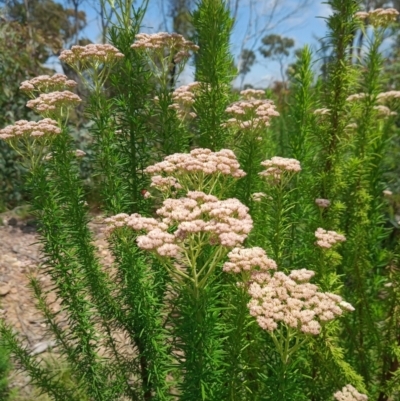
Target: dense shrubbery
<point x="254" y="256"/>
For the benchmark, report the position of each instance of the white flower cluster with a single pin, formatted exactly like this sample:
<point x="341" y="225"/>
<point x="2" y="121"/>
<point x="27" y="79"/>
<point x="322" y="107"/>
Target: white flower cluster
<point x="21" y="128"/>
<point x="79" y="153"/>
<point x="51" y="103"/>
<point x="381" y="98"/>
<point x="356" y="97"/>
<point x="351" y="126"/>
<point x="326" y="239"/>
<point x="251" y="113"/>
<point x="388" y="96"/>
<point x="378" y="17"/>
<point x="384" y="111"/>
<point x="349" y="393"/>
<point x="47" y="83"/>
<point x="227" y="222"/>
<point x="258" y="196"/>
<point x="277" y="166"/>
<point x="184" y="98"/>
<point x="247" y="259"/>
<point x="322" y="203"/>
<point x="175" y="43"/>
<point x="322" y="112"/>
<point x="293" y="301"/>
<point x="199" y="160"/>
<point x="91" y="54"/>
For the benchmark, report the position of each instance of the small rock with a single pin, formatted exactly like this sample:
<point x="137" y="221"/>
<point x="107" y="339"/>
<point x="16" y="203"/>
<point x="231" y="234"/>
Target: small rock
<point x="29" y="227"/>
<point x="42" y="347"/>
<point x="12" y="222"/>
<point x="4" y="289"/>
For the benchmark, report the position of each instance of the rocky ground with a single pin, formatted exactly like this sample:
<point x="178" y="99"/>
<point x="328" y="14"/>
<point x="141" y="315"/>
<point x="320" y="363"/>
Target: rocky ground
<point x="20" y="258"/>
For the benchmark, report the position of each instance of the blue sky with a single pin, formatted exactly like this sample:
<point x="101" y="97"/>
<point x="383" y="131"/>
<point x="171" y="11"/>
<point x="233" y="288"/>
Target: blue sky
<point x="303" y="27"/>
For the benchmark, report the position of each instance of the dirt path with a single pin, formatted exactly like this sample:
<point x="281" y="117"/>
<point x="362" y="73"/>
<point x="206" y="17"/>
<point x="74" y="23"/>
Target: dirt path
<point x="19" y="258"/>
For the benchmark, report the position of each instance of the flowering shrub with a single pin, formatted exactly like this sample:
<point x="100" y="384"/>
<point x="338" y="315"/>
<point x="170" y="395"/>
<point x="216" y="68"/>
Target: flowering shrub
<point x="248" y="263"/>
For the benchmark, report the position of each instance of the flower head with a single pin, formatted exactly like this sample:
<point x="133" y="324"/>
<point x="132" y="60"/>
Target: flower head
<point x="172" y="41"/>
<point x="258" y="196"/>
<point x="388" y="96"/>
<point x="383" y="111"/>
<point x="43" y="128"/>
<point x="361" y="15"/>
<point x="351" y="126"/>
<point x="322" y="203"/>
<point x="349" y="393"/>
<point x="225" y="222"/>
<point x="251" y="113"/>
<point x="322" y="112"/>
<point x="50" y="104"/>
<point x="279" y="166"/>
<point x="200" y="165"/>
<point x="382" y="16"/>
<point x="355" y="97"/>
<point x="326" y="239"/>
<point x="250" y="94"/>
<point x="183" y="100"/>
<point x="163" y="50"/>
<point x="91" y="55"/>
<point x="47" y="83"/>
<point x="248" y="260"/>
<point x="292" y="300"/>
<point x="79" y="153"/>
<point x="165" y="184"/>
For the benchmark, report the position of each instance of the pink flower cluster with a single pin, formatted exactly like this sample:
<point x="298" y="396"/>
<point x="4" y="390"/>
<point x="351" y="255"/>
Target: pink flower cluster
<point x="174" y="42"/>
<point x="247" y="259"/>
<point x="51" y="103"/>
<point x="322" y="203"/>
<point x="290" y="299"/>
<point x="184" y="98"/>
<point x="92" y="53"/>
<point x="165" y="184"/>
<point x="251" y="113"/>
<point x="250" y="94"/>
<point x="21" y="128"/>
<point x="379" y="17"/>
<point x="226" y="222"/>
<point x="349" y="393"/>
<point x="293" y="301"/>
<point x="326" y="239"/>
<point x="135" y="221"/>
<point x="47" y="83"/>
<point x="199" y="160"/>
<point x="278" y="166"/>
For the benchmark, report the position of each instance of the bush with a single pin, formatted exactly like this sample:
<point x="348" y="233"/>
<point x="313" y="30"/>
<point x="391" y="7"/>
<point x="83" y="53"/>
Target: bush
<point x="252" y="259"/>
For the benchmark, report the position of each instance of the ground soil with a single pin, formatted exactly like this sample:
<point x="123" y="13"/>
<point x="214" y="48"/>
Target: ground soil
<point x="20" y="257"/>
